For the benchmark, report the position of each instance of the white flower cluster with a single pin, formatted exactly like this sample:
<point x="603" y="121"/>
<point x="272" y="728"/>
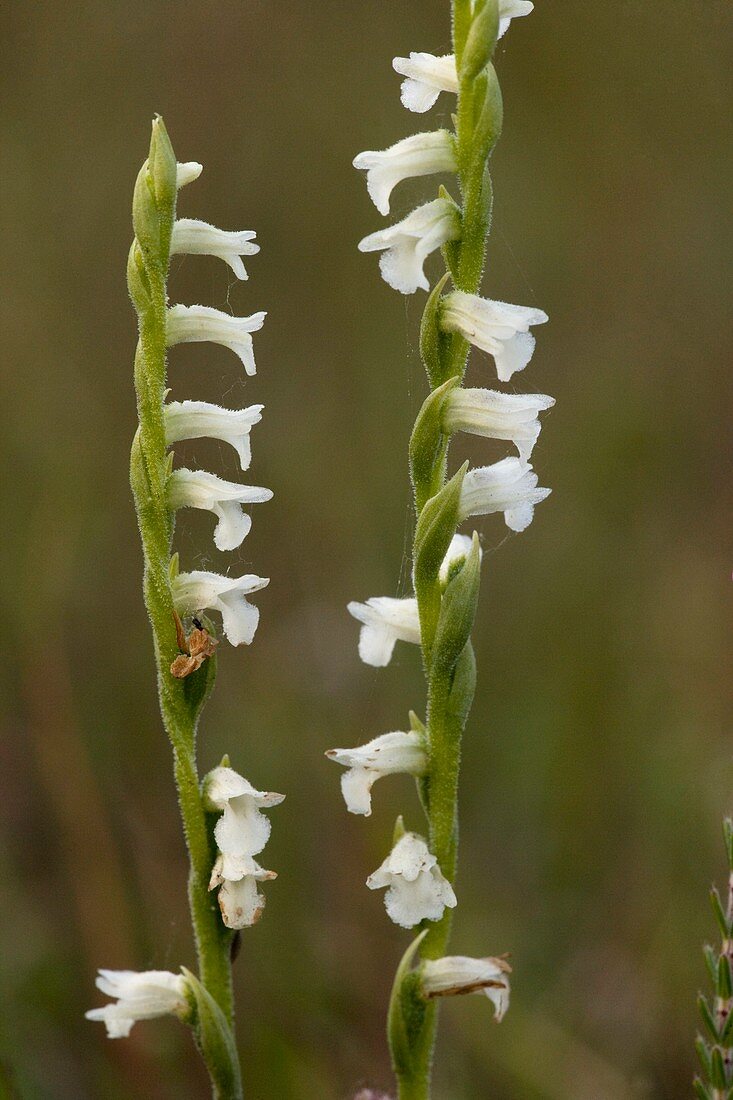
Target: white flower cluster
<point x="193" y="592"/>
<point x="241" y="833"/>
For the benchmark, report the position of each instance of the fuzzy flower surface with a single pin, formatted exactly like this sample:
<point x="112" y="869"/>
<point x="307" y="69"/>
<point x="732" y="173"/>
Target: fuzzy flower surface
<point x="458" y="974"/>
<point x="200" y="590"/>
<point x="139" y="995"/>
<point x="497" y="415"/>
<point x="187" y="173"/>
<point x="241" y="832"/>
<point x="389" y="754"/>
<point x="498" y="328"/>
<point x="194" y="324"/>
<point x="202" y="420"/>
<point x="417" y="155"/>
<point x="197" y="238"/>
<point x="416" y="887"/>
<point x="508" y="486"/>
<point x="406" y="245"/>
<point x="199" y="489"/>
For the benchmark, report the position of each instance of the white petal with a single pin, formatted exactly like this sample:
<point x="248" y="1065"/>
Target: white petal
<point x="200" y="419"/>
<point x="508" y="486"/>
<point x="222" y="784"/>
<point x="407" y="244"/>
<point x="385" y="621"/>
<point x="240" y="902"/>
<point x="416" y="888"/>
<point x="426" y="77"/>
<point x="356" y="787"/>
<point x="193" y="237"/>
<point x="417" y="155"/>
<point x="496" y="415"/>
<point x="511" y="9"/>
<point x="198" y="590"/>
<point x="386" y="755"/>
<point x="192" y="324"/>
<point x="140" y="995"/>
<point x="458" y="974"/>
<point x="187" y="173"/>
<point x="460" y="547"/>
<point x="498" y="328"/>
<point x="199" y="489"/>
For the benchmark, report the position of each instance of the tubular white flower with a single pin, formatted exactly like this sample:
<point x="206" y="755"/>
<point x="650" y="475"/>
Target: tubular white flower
<point x="199" y="489"/>
<point x="385" y="620"/>
<point x="193" y="592"/>
<point x="497" y="415"/>
<point x="426" y="76"/>
<point x="196" y="238"/>
<point x="498" y="328"/>
<point x="242" y="830"/>
<point x="417" y="155"/>
<point x="199" y="419"/>
<point x="509" y="486"/>
<point x="192" y="324"/>
<point x="187" y="173"/>
<point x="407" y="245"/>
<point x="139" y="996"/>
<point x="240" y="901"/>
<point x="512" y="9"/>
<point x="457" y="974"/>
<point x="416" y="888"/>
<point x="389" y="754"/>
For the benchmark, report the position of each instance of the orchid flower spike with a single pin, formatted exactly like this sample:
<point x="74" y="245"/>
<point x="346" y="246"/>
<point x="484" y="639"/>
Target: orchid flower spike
<point x="193" y="324"/>
<point x="458" y="974"/>
<point x="241" y="832"/>
<point x="509" y="486"/>
<point x="139" y="996"/>
<point x="497" y="415"/>
<point x="199" y="420"/>
<point x="500" y="329"/>
<point x="389" y="754"/>
<point x="196" y="591"/>
<point x="407" y="244"/>
<point x="416" y="888"/>
<point x="196" y="238"/>
<point x="385" y="620"/>
<point x="199" y="489"/>
<point x="426" y="76"/>
<point x="418" y="155"/>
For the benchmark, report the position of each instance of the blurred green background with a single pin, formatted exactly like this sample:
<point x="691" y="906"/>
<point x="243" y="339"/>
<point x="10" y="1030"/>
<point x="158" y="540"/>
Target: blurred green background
<point x="597" y="761"/>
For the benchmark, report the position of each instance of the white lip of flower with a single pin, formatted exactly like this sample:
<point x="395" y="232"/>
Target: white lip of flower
<point x="512" y="9"/>
<point x="417" y="155"/>
<point x="199" y="489"/>
<point x="195" y="591"/>
<point x="407" y="244"/>
<point x="139" y="996"/>
<point x="497" y="415"/>
<point x="426" y="76"/>
<point x="191" y="324"/>
<point x="200" y="419"/>
<point x="242" y="831"/>
<point x="390" y="754"/>
<point x="385" y="620"/>
<point x="458" y="974"/>
<point x="416" y="888"/>
<point x="498" y="328"/>
<point x="509" y="486"/>
<point x="240" y="901"/>
<point x="187" y="173"/>
<point x="197" y="238"/>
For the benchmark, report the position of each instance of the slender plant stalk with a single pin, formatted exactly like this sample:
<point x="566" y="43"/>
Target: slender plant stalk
<point x="715" y="1048"/>
<point x="447" y="652"/>
<point x="181" y="700"/>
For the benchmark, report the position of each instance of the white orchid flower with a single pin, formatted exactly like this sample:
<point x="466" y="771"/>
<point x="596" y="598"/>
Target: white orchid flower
<point x="497" y="415"/>
<point x="426" y="76"/>
<point x="512" y="9"/>
<point x="416" y="888"/>
<point x="417" y="155"/>
<point x="187" y="173"/>
<point x="240" y="900"/>
<point x="457" y="974"/>
<point x="202" y="420"/>
<point x="139" y="996"/>
<point x="407" y="245"/>
<point x="195" y="591"/>
<point x="192" y="237"/>
<point x="389" y="754"/>
<point x="199" y="489"/>
<point x="509" y="486"/>
<point x="192" y="324"/>
<point x="242" y="830"/>
<point x="385" y="620"/>
<point x="498" y="328"/>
